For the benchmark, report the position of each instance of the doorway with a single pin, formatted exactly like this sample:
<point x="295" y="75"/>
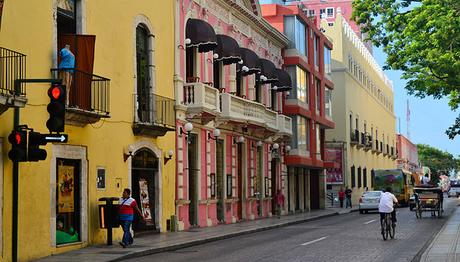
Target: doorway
<point x="144" y="170"/>
<point x="220" y="180"/>
<point x="314" y="189"/>
<point x="68" y="192"/>
<point x="240" y="179"/>
<point x="274" y="184"/>
<point x="193" y="172"/>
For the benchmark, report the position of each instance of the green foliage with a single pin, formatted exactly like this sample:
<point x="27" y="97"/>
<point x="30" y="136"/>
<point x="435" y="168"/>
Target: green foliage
<point x="438" y="161"/>
<point x="422" y="39"/>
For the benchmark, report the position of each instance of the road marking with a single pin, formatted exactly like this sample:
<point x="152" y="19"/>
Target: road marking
<point x="314" y="241"/>
<point x="368" y="222"/>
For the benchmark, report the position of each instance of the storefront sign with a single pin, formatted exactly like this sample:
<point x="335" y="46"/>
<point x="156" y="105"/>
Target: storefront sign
<point x="66" y="189"/>
<point x="145" y="201"/>
<point x="334" y="175"/>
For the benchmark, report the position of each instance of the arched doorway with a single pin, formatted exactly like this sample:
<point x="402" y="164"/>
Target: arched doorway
<point x="144" y="171"/>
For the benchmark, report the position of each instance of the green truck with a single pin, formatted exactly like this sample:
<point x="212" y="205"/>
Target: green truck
<point x="401" y="182"/>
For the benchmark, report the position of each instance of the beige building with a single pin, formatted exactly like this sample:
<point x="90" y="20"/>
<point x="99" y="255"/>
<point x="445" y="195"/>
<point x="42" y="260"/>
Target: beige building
<point x="362" y="107"/>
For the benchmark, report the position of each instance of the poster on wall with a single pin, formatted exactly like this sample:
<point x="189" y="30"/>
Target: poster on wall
<point x="145" y="201"/>
<point x="66" y="189"/>
<point x="334" y="175"/>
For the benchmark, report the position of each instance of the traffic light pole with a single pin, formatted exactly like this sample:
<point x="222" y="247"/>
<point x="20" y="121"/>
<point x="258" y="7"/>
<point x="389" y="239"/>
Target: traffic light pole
<point x="14" y="238"/>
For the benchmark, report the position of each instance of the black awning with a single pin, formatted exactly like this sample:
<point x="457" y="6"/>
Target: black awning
<point x="268" y="70"/>
<point x="228" y="50"/>
<point x="201" y="35"/>
<point x="284" y="81"/>
<point x="250" y="60"/>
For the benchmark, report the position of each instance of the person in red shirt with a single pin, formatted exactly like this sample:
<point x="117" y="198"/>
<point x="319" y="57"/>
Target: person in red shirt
<point x="341" y="196"/>
<point x="126" y="207"/>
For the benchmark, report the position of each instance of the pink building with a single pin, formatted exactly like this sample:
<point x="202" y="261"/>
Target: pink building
<point x="231" y="133"/>
<point x="407" y="154"/>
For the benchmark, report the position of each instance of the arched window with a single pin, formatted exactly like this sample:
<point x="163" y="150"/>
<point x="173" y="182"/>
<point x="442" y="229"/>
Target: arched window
<point x="143" y="75"/>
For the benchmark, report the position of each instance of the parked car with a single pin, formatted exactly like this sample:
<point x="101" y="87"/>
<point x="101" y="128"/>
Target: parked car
<point x="454" y="190"/>
<point x="369" y="201"/>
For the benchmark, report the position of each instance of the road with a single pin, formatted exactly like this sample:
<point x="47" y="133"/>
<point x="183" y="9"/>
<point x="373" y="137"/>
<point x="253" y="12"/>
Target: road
<point x="350" y="237"/>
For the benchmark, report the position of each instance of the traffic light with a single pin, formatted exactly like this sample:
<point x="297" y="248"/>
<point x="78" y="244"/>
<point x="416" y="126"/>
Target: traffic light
<point x="56" y="108"/>
<point x="34" y="152"/>
<point x="18" y="140"/>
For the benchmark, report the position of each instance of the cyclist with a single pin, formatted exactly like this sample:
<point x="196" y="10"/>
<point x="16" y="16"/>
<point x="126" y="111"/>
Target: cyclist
<point x="387" y="199"/>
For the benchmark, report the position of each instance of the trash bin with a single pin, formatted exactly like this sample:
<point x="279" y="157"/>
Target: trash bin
<point x="108" y="216"/>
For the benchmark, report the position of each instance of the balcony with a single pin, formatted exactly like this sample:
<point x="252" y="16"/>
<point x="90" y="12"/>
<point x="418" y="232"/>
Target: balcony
<point x="284" y="124"/>
<point x="88" y="99"/>
<point x="199" y="99"/>
<point x="12" y="67"/>
<point x="368" y="142"/>
<point x="154" y="115"/>
<point x="354" y="137"/>
<point x="362" y="140"/>
<point x="248" y="112"/>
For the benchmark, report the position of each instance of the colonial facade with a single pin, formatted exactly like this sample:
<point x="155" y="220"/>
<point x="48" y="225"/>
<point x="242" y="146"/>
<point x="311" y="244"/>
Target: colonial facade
<point x="120" y="118"/>
<point x="362" y="108"/>
<point x="231" y="129"/>
<point x="407" y="154"/>
<point x="308" y="60"/>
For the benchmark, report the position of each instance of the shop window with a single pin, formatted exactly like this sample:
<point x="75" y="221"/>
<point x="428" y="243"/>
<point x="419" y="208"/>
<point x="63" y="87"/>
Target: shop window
<point x="302" y="133"/>
<point x="68" y="201"/>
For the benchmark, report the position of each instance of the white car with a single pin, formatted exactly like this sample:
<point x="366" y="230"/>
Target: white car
<point x="454" y="191"/>
<point x="369" y="201"/>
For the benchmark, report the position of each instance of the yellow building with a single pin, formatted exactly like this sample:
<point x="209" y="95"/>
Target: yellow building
<point x="362" y="107"/>
<point x="120" y="118"/>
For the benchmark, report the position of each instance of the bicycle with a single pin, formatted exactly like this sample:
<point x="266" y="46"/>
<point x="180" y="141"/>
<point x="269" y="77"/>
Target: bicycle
<point x="387" y="227"/>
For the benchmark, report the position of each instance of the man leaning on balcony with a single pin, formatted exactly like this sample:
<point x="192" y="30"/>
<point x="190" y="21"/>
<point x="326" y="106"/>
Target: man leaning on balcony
<point x="66" y="69"/>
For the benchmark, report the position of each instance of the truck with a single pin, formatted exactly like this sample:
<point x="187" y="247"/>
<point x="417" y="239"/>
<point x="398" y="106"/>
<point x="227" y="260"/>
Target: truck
<point x="401" y="182"/>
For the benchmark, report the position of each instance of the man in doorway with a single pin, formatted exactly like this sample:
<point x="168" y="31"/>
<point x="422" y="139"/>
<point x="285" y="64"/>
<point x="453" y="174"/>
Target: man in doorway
<point x="66" y="67"/>
<point x="126" y="208"/>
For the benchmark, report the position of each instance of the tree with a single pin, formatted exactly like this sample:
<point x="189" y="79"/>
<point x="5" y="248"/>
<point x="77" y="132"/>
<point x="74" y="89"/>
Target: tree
<point x="422" y="39"/>
<point x="438" y="161"/>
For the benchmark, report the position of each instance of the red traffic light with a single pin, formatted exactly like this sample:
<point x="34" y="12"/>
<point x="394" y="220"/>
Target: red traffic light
<point x="18" y="138"/>
<point x="56" y="92"/>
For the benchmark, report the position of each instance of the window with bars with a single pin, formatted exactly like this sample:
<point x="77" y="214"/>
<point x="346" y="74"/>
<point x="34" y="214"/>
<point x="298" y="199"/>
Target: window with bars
<point x="359" y="177"/>
<point x="353" y="181"/>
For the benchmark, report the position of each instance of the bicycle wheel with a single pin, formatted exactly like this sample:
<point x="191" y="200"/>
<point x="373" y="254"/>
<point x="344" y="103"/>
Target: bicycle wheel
<point x="384" y="230"/>
<point x="391" y="228"/>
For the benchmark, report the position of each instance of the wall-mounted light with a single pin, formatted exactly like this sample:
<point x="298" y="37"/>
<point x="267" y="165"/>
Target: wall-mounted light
<point x="258" y="144"/>
<point x="241" y="62"/>
<point x="188" y="41"/>
<point x="168" y="156"/>
<point x="245" y="69"/>
<point x="215" y="55"/>
<point x="274" y="147"/>
<point x="238" y="140"/>
<point x="263" y="78"/>
<point x="215" y="133"/>
<point x="188" y="128"/>
<point x="288" y="93"/>
<point x="274" y="88"/>
<point x="286" y="150"/>
<point x="127" y="155"/>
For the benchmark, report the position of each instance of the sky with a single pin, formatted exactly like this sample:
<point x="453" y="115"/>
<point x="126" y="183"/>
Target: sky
<point x="429" y="118"/>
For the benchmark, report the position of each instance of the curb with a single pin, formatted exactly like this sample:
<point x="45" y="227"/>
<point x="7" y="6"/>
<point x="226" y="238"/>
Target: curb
<point x="216" y="238"/>
<point x="427" y="246"/>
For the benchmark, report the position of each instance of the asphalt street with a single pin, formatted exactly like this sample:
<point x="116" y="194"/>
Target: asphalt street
<point x="349" y="237"/>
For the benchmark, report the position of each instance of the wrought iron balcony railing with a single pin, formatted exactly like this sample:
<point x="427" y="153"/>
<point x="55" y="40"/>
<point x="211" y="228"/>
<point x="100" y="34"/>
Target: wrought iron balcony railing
<point x="154" y="110"/>
<point x="12" y="67"/>
<point x="88" y="92"/>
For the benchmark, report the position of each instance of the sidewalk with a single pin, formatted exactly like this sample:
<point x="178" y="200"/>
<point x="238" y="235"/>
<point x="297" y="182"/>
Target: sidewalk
<point x="446" y="244"/>
<point x="155" y="243"/>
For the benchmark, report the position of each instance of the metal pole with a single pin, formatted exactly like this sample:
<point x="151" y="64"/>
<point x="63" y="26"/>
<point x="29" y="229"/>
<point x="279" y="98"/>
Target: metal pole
<point x="14" y="232"/>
